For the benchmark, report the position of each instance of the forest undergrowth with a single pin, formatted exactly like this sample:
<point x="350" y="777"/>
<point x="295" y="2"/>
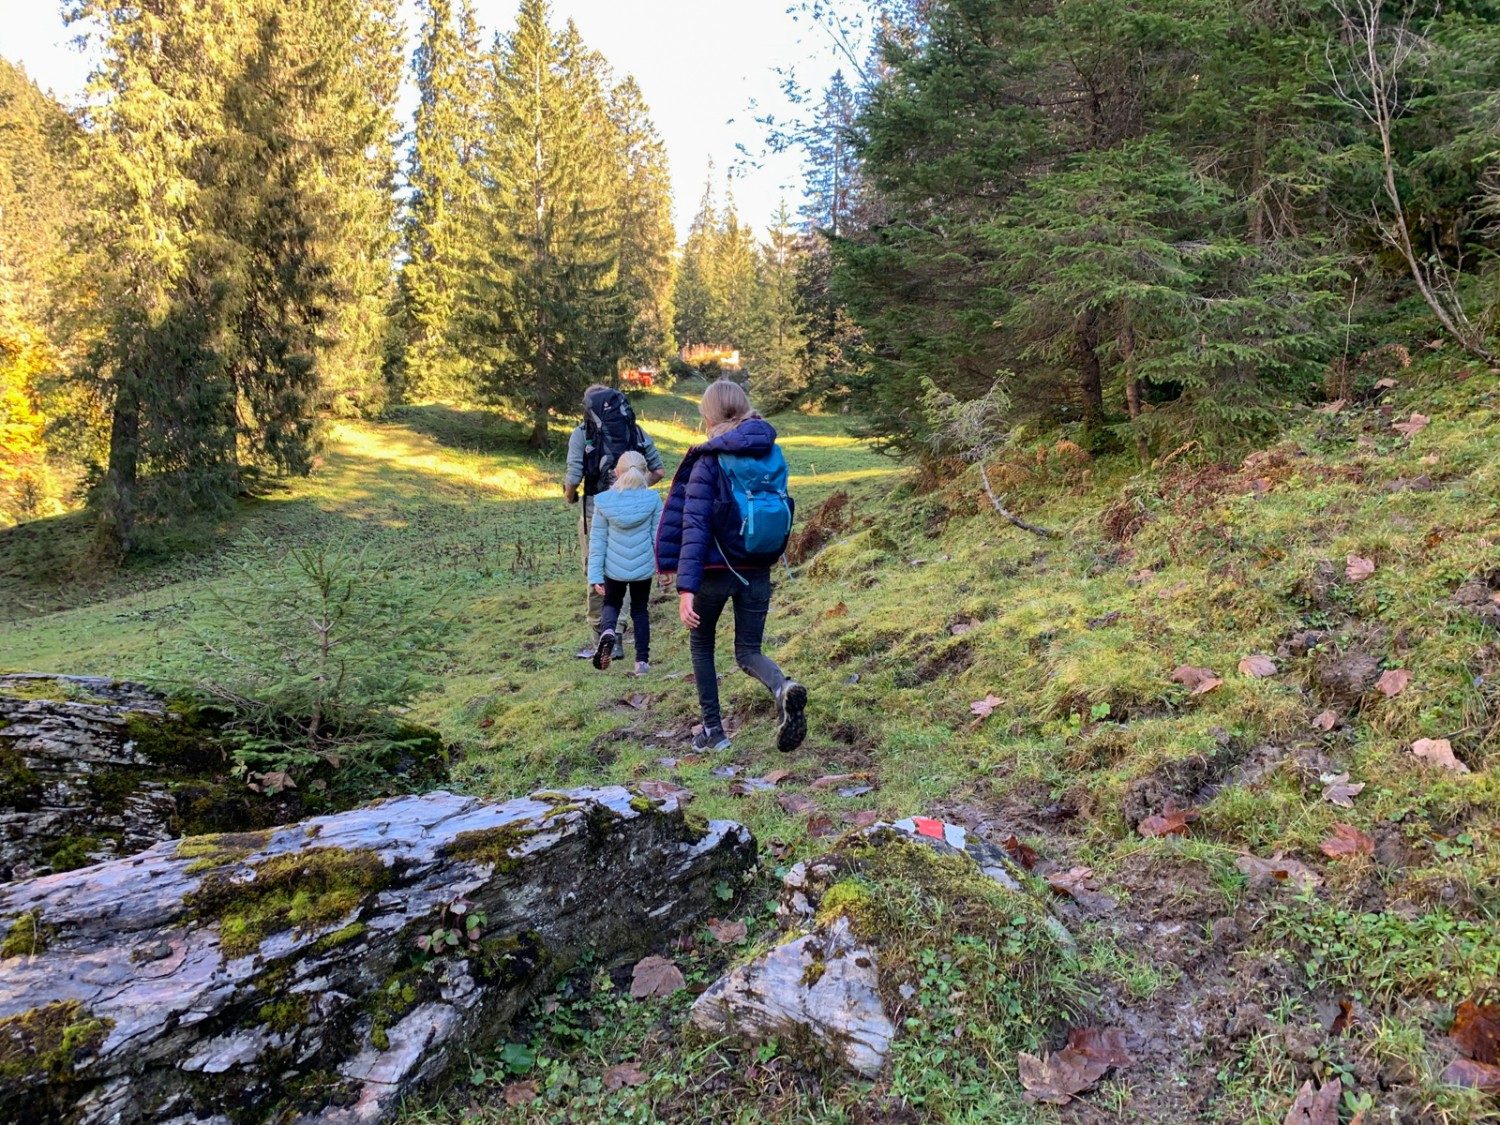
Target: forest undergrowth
<point x="1156" y="712"/>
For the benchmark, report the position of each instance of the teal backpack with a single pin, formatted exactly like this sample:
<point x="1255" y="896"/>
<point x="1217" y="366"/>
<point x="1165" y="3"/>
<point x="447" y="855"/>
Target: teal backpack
<point x="756" y="488"/>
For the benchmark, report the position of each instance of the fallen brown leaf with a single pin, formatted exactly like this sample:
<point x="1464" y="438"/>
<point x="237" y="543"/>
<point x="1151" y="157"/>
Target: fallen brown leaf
<point x="1196" y="680"/>
<point x="624" y="1074"/>
<point x="821" y="825"/>
<point x="1074" y="884"/>
<point x="1332" y="408"/>
<point x="837" y="611"/>
<point x="1283" y="870"/>
<point x="1413" y="427"/>
<point x="1258" y="666"/>
<point x="1319" y="1107"/>
<point x="1476" y="1030"/>
<point x="861" y="818"/>
<point x="1347" y="841"/>
<point x="1106" y="1045"/>
<point x="1393" y="682"/>
<point x="1057" y="1077"/>
<point x="1326" y="720"/>
<point x="655" y="976"/>
<point x="1438" y="752"/>
<point x="658" y="790"/>
<point x="637" y="701"/>
<point x="1338" y="791"/>
<point x="1473" y="1075"/>
<point x="986" y="706"/>
<point x="1171" y="821"/>
<point x="1357" y="568"/>
<point x="520" y="1093"/>
<point x="795" y="804"/>
<point x="1019" y="852"/>
<point x="729" y="933"/>
<point x="828" y="781"/>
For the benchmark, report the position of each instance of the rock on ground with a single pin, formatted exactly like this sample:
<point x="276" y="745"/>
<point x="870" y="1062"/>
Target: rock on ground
<point x="278" y="975"/>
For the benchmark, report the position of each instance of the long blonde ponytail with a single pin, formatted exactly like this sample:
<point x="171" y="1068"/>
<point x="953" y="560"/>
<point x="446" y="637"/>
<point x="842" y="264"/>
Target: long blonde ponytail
<point x="630" y="471"/>
<point x="725" y="405"/>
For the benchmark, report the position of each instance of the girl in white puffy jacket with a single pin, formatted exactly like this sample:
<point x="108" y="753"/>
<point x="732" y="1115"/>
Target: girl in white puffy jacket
<point x="622" y="557"/>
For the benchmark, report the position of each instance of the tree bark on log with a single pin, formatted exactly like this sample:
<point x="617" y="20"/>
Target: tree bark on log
<point x="278" y="975"/>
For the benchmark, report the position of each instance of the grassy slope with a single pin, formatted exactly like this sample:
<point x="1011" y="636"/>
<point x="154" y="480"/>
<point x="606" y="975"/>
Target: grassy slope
<point x="929" y="603"/>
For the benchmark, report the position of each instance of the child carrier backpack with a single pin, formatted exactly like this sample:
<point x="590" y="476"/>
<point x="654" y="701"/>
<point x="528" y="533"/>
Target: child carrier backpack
<point x="610" y="431"/>
<point x="759" y="505"/>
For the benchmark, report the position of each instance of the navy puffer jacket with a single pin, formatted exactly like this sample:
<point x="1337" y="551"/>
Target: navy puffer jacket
<point x="695" y="511"/>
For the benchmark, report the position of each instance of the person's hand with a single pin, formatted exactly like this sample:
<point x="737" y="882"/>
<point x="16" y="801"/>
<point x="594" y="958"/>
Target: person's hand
<point x="685" y="609"/>
<point x="664" y="580"/>
<point x="599" y="588"/>
<point x="570" y="495"/>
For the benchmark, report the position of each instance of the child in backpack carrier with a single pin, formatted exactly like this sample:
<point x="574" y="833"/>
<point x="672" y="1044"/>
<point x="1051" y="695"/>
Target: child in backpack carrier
<point x="622" y="557"/>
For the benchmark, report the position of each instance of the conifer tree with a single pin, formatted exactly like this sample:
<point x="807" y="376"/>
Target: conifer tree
<point x="777" y="348"/>
<point x="543" y="308"/>
<point x="643" y="213"/>
<point x="445" y="143"/>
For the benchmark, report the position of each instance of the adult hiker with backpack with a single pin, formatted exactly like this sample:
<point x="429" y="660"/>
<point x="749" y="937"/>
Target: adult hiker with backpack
<point x="726" y="523"/>
<point x="608" y="431"/>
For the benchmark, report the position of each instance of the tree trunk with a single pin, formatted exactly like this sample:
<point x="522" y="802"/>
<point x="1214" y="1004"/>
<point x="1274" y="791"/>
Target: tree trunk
<point x="1090" y="376"/>
<point x="118" y="517"/>
<point x="1133" y="389"/>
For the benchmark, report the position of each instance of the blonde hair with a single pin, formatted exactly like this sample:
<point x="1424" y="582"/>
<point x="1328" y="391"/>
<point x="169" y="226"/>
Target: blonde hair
<point x="725" y="405"/>
<point x="630" y="471"/>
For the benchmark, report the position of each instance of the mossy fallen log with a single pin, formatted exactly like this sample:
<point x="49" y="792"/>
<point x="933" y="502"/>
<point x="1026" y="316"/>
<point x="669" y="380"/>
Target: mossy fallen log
<point x="325" y="970"/>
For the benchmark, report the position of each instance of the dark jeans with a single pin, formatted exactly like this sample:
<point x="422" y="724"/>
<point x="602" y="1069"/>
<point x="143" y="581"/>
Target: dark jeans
<point x="640" y="611"/>
<point x="751" y="604"/>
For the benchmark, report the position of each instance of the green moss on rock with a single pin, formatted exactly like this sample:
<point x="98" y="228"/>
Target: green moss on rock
<point x="73" y="852"/>
<point x="28" y="935"/>
<point x="220" y="849"/>
<point x="19" y="785"/>
<point x="302" y="890"/>
<point x="44" y="1044"/>
<point x="341" y="936"/>
<point x="285" y="1013"/>
<point x="493" y="846"/>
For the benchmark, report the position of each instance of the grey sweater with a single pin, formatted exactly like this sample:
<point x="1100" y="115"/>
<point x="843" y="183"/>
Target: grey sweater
<point x="578" y="438"/>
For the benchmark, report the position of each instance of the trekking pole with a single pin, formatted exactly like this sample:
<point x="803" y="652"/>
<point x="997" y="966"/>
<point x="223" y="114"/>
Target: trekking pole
<point x="788" y="566"/>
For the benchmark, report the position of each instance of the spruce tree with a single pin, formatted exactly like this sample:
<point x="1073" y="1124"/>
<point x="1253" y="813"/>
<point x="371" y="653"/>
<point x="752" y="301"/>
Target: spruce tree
<point x="694" y="290"/>
<point x="643" y="215"/>
<point x="440" y="173"/>
<point x="777" y="348"/>
<point x="544" y="313"/>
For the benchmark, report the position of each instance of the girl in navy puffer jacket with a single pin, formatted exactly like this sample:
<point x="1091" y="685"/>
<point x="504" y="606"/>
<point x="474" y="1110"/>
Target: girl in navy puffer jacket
<point x="690" y="544"/>
<point x="621" y="557"/>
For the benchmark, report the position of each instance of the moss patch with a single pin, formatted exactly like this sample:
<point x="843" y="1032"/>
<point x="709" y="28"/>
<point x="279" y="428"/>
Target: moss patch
<point x="44" y="1043"/>
<point x="303" y="890"/>
<point x="28" y="935"/>
<point x="342" y="936"/>
<point x="493" y="846"/>
<point x="286" y="1013"/>
<point x="73" y="852"/>
<point x="19" y="785"/>
<point x="220" y="849"/>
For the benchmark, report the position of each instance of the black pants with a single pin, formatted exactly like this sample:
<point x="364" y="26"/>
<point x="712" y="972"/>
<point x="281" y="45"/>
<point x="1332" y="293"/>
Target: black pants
<point x="752" y="601"/>
<point x="640" y="611"/>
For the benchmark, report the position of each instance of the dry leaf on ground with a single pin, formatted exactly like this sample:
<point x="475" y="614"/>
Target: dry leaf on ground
<point x="861" y="818"/>
<point x="837" y="611"/>
<point x="1357" y="568"/>
<point x="1196" y="680"/>
<point x="1338" y="791"/>
<point x="1320" y="1107"/>
<point x="1438" y="752"/>
<point x="520" y="1093"/>
<point x="1412" y="427"/>
<point x="730" y="933"/>
<point x="637" y="701"/>
<point x="1171" y="821"/>
<point x="655" y="976"/>
<point x="624" y="1074"/>
<point x="1393" y="682"/>
<point x="1347" y="841"/>
<point x="795" y="804"/>
<point x="1258" y="666"/>
<point x="1476" y="1030"/>
<point x="1283" y="870"/>
<point x="821" y="825"/>
<point x="657" y="790"/>
<point x="1333" y="407"/>
<point x="828" y="781"/>
<point x="1074" y="884"/>
<point x="1057" y="1077"/>
<point x="1019" y="852"/>
<point x="1326" y="720"/>
<point x="1105" y="1044"/>
<point x="986" y="706"/>
<point x="1473" y="1075"/>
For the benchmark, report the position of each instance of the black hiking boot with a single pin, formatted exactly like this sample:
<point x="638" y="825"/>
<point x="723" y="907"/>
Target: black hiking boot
<point x="792" y="729"/>
<point x="605" y="652"/>
<point x="620" y="646"/>
<point x="711" y="738"/>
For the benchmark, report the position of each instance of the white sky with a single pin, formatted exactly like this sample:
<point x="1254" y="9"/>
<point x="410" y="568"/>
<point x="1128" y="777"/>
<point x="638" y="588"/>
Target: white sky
<point x="700" y="63"/>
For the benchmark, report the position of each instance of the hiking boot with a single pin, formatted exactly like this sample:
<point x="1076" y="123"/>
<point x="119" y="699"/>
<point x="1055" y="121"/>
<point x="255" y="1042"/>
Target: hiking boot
<point x="605" y="652"/>
<point x="711" y="738"/>
<point x="642" y="667"/>
<point x="619" y="648"/>
<point x="792" y="728"/>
